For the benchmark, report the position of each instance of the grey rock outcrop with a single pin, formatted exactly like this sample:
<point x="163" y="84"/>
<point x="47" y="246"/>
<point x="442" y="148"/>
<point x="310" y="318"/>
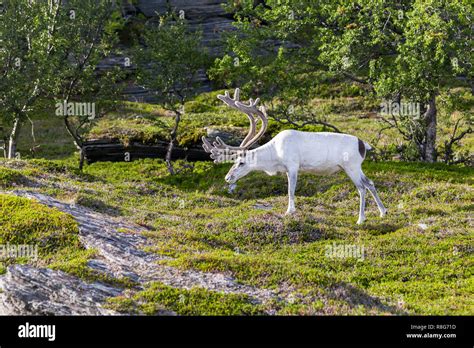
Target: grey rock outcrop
<point x="28" y="290"/>
<point x="207" y="16"/>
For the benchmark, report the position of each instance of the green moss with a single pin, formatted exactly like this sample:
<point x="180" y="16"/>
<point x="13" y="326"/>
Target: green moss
<point x="141" y="109"/>
<point x="436" y="298"/>
<point x="27" y="222"/>
<point x="54" y="167"/>
<point x="129" y="130"/>
<point x="197" y="221"/>
<point x="9" y="177"/>
<point x="23" y="221"/>
<point x="75" y="261"/>
<point x="196" y="301"/>
<point x="209" y="98"/>
<point x="53" y="233"/>
<point x="197" y="107"/>
<point x="416" y="260"/>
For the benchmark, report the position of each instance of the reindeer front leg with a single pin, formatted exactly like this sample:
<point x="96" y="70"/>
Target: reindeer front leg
<point x="292" y="179"/>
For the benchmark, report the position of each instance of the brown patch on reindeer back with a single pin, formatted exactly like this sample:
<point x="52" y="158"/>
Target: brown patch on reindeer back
<point x="361" y="148"/>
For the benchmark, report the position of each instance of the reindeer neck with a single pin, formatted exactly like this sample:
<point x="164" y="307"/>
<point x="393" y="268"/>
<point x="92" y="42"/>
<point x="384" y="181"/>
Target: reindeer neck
<point x="263" y="156"/>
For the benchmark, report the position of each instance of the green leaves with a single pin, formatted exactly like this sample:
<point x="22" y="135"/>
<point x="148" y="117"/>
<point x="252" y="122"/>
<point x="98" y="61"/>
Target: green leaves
<point x="50" y="51"/>
<point x="169" y="60"/>
<point x="401" y="48"/>
<point x="406" y="51"/>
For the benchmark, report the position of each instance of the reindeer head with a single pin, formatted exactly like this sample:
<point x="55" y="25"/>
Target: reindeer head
<point x="243" y="165"/>
<point x="244" y="160"/>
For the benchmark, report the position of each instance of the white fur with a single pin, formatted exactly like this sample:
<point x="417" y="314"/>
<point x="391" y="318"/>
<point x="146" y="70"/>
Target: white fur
<point x="321" y="153"/>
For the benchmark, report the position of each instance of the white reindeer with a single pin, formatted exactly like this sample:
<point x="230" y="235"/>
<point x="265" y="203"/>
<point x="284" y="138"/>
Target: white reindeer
<point x="291" y="151"/>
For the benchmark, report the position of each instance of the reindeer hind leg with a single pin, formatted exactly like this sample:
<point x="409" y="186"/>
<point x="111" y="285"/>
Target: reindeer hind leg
<point x="371" y="187"/>
<point x="356" y="177"/>
<point x="292" y="179"/>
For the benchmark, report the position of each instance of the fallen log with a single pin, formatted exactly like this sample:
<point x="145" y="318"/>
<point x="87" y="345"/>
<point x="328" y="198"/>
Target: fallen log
<point x="101" y="150"/>
<point x="114" y="151"/>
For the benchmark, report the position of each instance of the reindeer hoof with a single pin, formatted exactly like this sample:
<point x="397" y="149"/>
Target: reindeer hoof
<point x="360" y="221"/>
<point x="290" y="211"/>
<point x="383" y="213"/>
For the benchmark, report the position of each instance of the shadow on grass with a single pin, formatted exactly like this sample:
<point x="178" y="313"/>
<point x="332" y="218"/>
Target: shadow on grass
<point x="256" y="185"/>
<point x="200" y="179"/>
<point x="355" y="297"/>
<point x="10" y="178"/>
<point x="98" y="205"/>
<point x="381" y="228"/>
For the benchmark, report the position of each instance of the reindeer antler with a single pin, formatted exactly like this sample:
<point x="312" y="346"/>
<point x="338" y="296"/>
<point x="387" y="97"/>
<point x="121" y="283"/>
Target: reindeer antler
<point x="219" y="148"/>
<point x="260" y="112"/>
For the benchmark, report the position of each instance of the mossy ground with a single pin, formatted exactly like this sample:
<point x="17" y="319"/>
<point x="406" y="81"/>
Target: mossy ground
<point x="47" y="231"/>
<point x="48" y="236"/>
<point x="197" y="301"/>
<point x="417" y="260"/>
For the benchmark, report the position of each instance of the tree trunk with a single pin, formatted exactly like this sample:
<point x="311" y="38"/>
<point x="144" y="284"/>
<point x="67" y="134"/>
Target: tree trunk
<point x="81" y="159"/>
<point x="77" y="141"/>
<point x="430" y="143"/>
<point x="173" y="134"/>
<point x="15" y="133"/>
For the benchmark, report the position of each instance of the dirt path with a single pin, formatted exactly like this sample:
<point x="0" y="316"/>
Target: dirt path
<point x="25" y="290"/>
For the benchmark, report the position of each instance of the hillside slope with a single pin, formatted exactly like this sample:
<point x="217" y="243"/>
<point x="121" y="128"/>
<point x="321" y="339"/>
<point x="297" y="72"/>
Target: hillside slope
<point x="414" y="261"/>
